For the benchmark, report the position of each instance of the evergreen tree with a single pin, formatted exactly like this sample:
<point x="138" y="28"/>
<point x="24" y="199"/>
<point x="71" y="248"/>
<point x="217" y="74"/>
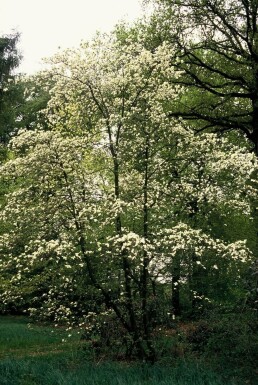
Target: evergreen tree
<point x="9" y="91"/>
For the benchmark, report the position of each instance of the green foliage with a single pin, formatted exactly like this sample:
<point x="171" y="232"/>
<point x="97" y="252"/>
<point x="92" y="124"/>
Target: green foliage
<point x="113" y="211"/>
<point x="9" y="58"/>
<point x="227" y="340"/>
<point x="35" y="92"/>
<point x="10" y="95"/>
<point x="54" y="372"/>
<point x="215" y="47"/>
<point x="34" y="356"/>
<point x="114" y="200"/>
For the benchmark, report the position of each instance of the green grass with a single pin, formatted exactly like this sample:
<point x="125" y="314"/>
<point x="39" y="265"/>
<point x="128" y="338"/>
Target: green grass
<point x="36" y="356"/>
<point x="36" y="371"/>
<point x="20" y="338"/>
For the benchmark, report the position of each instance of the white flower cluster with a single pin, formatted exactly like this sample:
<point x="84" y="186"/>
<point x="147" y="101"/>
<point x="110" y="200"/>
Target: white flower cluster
<point x="115" y="179"/>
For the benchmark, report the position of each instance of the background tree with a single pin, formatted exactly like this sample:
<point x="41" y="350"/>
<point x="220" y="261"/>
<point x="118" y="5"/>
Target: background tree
<point x="218" y="53"/>
<point x="35" y="92"/>
<point x="10" y="94"/>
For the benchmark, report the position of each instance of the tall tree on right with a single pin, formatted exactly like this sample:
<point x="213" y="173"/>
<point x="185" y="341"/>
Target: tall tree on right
<point x="217" y="49"/>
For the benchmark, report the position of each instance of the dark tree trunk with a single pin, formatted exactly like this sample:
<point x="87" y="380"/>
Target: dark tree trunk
<point x="175" y="300"/>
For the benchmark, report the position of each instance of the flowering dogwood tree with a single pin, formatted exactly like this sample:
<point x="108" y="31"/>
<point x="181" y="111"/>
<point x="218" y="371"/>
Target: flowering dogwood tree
<point x="117" y="196"/>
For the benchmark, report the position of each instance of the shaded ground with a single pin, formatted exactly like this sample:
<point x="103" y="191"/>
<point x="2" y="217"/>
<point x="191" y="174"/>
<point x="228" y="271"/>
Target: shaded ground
<point x="36" y="355"/>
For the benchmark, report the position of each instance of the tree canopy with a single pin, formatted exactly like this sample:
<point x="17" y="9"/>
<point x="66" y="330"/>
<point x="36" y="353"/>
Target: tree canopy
<point x="9" y="92"/>
<point x="112" y="209"/>
<point x="216" y="48"/>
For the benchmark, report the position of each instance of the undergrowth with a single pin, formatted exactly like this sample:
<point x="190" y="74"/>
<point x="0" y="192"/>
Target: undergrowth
<point x="199" y="353"/>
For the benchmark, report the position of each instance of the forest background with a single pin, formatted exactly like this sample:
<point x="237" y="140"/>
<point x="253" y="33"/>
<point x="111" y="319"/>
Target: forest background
<point x="129" y="185"/>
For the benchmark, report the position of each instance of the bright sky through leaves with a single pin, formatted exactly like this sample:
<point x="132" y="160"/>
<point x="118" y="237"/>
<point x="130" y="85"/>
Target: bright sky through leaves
<point x="47" y="25"/>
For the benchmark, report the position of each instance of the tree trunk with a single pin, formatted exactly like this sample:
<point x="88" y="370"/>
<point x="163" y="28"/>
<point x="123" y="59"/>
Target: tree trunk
<point x="175" y="301"/>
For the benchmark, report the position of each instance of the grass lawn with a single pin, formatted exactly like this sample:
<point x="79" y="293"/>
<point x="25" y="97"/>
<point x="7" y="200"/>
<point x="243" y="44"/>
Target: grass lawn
<point x="36" y="355"/>
<point x="19" y="338"/>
